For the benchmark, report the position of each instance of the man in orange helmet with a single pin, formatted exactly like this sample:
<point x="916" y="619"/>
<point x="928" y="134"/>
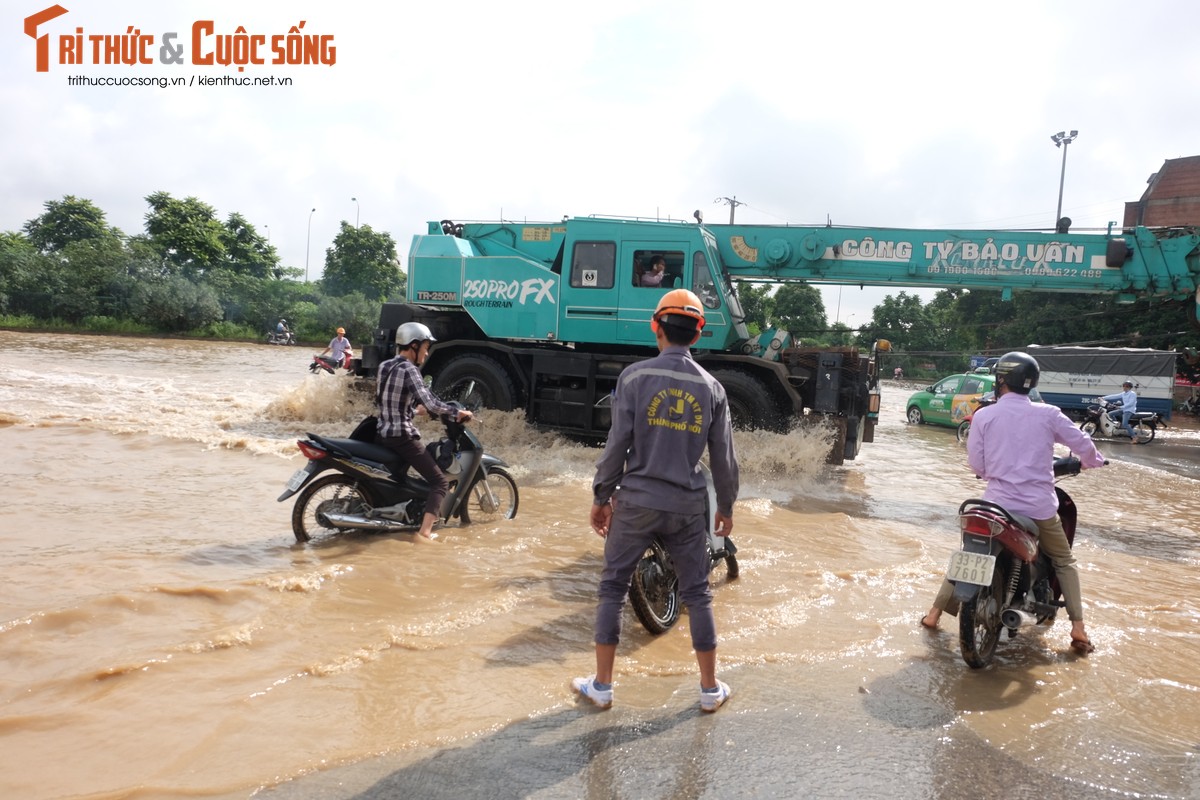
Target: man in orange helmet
<point x="665" y="412"/>
<point x="339" y="348"/>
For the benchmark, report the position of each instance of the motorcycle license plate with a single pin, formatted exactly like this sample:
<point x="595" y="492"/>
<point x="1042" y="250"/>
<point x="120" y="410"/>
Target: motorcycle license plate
<point x="297" y="479"/>
<point x="974" y="568"/>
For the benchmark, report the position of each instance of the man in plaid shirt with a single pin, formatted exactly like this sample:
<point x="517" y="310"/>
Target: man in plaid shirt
<point x="401" y="390"/>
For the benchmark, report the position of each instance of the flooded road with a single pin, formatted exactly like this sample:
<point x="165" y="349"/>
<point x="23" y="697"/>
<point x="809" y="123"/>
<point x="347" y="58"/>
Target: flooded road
<point x="163" y="635"/>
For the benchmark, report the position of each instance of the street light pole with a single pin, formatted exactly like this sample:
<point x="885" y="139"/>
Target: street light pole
<point x="357" y="209"/>
<point x="1062" y="139"/>
<point x="307" y="245"/>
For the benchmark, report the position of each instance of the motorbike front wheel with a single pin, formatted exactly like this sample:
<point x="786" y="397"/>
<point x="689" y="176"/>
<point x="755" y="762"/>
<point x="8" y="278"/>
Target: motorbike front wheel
<point x="979" y="622"/>
<point x="654" y="592"/>
<point x="490" y="499"/>
<point x="964" y="430"/>
<point x="330" y="493"/>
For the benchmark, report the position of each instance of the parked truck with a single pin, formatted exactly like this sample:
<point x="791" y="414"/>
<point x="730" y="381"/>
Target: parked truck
<point x="544" y="316"/>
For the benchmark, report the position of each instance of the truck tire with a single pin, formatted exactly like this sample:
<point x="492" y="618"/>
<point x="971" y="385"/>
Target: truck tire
<point x="750" y="405"/>
<point x="476" y="381"/>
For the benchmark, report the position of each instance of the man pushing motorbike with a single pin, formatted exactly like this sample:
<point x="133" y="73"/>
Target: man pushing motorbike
<point x="401" y="390"/>
<point x="1012" y="446"/>
<point x="666" y="411"/>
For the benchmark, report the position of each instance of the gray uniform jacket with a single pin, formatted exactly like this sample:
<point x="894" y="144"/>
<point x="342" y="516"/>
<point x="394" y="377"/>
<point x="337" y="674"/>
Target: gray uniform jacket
<point x="666" y="411"/>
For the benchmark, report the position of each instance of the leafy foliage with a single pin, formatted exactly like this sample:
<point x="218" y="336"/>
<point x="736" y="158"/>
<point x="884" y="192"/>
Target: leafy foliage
<point x="800" y="310"/>
<point x="66" y="221"/>
<point x="362" y="261"/>
<point x="758" y="304"/>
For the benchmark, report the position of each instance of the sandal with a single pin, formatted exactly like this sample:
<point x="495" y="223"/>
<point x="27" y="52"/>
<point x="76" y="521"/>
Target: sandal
<point x="927" y="626"/>
<point x="1082" y="646"/>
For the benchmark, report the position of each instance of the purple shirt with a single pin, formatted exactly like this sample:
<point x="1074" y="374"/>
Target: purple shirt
<point x="1012" y="446"/>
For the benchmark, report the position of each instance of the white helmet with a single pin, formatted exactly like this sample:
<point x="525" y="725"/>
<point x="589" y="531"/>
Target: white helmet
<point x="412" y="333"/>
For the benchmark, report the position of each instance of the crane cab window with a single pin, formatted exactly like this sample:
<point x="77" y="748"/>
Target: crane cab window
<point x="658" y="269"/>
<point x="593" y="265"/>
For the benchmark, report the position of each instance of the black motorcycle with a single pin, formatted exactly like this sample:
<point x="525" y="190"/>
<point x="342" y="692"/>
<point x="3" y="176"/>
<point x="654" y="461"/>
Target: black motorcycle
<point x="1097" y="422"/>
<point x="1001" y="577"/>
<point x="370" y="487"/>
<point x="285" y="337"/>
<point x="654" y="590"/>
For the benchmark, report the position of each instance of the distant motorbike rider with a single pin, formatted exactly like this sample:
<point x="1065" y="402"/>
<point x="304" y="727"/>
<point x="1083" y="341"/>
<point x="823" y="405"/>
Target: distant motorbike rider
<point x="1012" y="446"/>
<point x="1128" y="400"/>
<point x="281" y="327"/>
<point x="400" y="390"/>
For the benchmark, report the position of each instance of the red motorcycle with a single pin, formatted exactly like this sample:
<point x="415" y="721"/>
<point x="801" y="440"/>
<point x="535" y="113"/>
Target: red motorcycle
<point x="1000" y="576"/>
<point x="330" y="364"/>
<point x="964" y="427"/>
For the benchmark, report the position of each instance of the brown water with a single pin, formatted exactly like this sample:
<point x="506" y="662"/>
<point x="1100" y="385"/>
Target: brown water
<point x="162" y="634"/>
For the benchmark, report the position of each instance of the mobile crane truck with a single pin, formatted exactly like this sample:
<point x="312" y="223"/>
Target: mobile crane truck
<point x="544" y="316"/>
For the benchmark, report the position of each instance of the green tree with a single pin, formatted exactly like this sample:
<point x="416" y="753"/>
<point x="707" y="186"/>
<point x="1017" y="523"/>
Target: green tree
<point x="362" y="260"/>
<point x="757" y="303"/>
<point x="175" y="304"/>
<point x="246" y="252"/>
<point x="901" y="319"/>
<point x="187" y="233"/>
<point x="800" y="310"/>
<point x="71" y="219"/>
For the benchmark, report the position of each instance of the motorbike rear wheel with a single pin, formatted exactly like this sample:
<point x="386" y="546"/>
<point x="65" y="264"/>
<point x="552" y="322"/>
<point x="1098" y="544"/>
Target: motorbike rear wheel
<point x="979" y="622"/>
<point x="491" y="499"/>
<point x="654" y="591"/>
<point x="1088" y="427"/>
<point x="329" y="493"/>
<point x="1143" y="433"/>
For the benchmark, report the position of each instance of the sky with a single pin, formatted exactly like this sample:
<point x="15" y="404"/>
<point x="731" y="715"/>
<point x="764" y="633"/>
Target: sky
<point x="933" y="115"/>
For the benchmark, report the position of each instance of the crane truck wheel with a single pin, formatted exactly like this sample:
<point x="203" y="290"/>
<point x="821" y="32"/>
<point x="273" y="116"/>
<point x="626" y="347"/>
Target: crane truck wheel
<point x="750" y="405"/>
<point x="476" y="381"/>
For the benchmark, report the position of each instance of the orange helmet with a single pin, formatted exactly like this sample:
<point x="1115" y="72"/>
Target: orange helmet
<point x="341" y="331"/>
<point x="679" y="303"/>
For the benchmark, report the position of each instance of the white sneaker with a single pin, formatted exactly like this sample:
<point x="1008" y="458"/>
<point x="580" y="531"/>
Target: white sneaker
<point x="587" y="687"/>
<point x="710" y="701"/>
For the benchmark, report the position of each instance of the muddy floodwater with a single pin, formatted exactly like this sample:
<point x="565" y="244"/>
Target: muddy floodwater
<point x="162" y="634"/>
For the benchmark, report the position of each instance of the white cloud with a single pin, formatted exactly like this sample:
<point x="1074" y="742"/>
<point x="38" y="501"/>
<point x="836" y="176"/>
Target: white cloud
<point x="932" y="115"/>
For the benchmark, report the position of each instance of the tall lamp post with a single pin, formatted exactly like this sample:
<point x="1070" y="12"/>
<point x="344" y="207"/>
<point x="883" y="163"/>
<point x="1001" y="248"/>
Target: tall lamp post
<point x="1062" y="139"/>
<point x="307" y="244"/>
<point x="357" y="208"/>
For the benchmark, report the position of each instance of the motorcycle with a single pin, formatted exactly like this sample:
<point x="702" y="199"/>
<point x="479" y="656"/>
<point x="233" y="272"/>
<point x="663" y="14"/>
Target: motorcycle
<point x="964" y="427"/>
<point x="1096" y="420"/>
<point x="1192" y="404"/>
<point x="654" y="590"/>
<point x="369" y="488"/>
<point x="1001" y="578"/>
<point x="330" y="364"/>
<point x="286" y="337"/>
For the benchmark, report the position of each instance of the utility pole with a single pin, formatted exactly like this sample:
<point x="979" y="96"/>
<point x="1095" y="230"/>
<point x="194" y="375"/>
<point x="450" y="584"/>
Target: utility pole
<point x="732" y="202"/>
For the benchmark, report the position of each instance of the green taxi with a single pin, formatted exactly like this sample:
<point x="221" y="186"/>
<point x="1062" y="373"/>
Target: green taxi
<point x="950" y="400"/>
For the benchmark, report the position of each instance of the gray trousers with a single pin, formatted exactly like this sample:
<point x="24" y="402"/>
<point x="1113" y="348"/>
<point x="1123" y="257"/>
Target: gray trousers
<point x="1052" y="540"/>
<point x="631" y="531"/>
